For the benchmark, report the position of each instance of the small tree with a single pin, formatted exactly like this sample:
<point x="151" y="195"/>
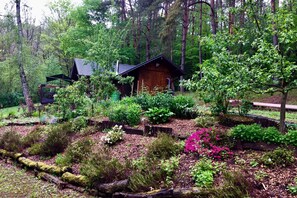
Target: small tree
<point x="223" y="79"/>
<point x="274" y="68"/>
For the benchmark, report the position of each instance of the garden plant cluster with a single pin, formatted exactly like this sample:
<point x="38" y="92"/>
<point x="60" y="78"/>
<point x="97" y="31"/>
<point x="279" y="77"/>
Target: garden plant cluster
<point x="165" y="161"/>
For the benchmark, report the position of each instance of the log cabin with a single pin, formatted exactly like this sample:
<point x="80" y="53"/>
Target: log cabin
<point x="158" y="73"/>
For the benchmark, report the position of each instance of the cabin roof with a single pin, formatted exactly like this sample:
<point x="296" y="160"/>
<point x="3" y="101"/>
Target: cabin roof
<point x="86" y="68"/>
<point x="161" y="57"/>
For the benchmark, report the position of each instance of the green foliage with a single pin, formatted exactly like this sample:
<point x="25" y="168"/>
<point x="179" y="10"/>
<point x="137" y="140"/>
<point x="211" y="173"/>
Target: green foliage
<point x="62" y="160"/>
<point x="182" y="106"/>
<point x="79" y="150"/>
<point x="271" y="135"/>
<point x="255" y="133"/>
<point x="11" y="141"/>
<point x="101" y="168"/>
<point x="35" y="149"/>
<point x="168" y="167"/>
<point x="161" y="100"/>
<point x="125" y="113"/>
<point x="33" y="137"/>
<point x="245" y="107"/>
<point x="260" y="175"/>
<point x="11" y="99"/>
<point x="145" y="174"/>
<point x="234" y="185"/>
<point x="203" y="173"/>
<point x="72" y="101"/>
<point x="144" y="100"/>
<point x="205" y="121"/>
<point x="163" y="147"/>
<point x="142" y="181"/>
<point x="290" y="138"/>
<point x="79" y="123"/>
<point x="293" y="188"/>
<point x="278" y="157"/>
<point x="57" y="140"/>
<point x="158" y="115"/>
<point x="114" y="135"/>
<point x="224" y="78"/>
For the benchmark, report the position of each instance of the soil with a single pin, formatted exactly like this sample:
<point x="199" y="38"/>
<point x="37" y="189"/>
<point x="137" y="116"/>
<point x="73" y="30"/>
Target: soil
<point x="273" y="184"/>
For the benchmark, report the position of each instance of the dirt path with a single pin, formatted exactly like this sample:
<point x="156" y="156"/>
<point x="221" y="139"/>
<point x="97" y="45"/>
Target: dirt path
<point x="16" y="183"/>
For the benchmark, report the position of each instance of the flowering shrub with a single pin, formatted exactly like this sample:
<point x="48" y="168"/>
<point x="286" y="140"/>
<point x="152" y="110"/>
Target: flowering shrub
<point x="114" y="135"/>
<point x="205" y="143"/>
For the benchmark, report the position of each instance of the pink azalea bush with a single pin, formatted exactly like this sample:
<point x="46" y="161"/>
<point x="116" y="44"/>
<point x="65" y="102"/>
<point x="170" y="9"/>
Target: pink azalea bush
<point x="205" y="143"/>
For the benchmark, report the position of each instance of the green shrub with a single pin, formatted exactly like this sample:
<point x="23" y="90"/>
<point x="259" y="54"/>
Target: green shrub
<point x="255" y="133"/>
<point x="158" y="115"/>
<point x="182" y="106"/>
<point x="245" y="107"/>
<point x="278" y="157"/>
<point x="72" y="101"/>
<point x="33" y="137"/>
<point x="168" y="167"/>
<point x="79" y="150"/>
<point x="144" y="100"/>
<point x="79" y="123"/>
<point x="203" y="173"/>
<point x="35" y="149"/>
<point x="290" y="138"/>
<point x="145" y="174"/>
<point x="11" y="141"/>
<point x="127" y="114"/>
<point x="56" y="142"/>
<point x="141" y="181"/>
<point x="249" y="133"/>
<point x="205" y="121"/>
<point x="114" y="135"/>
<point x="161" y="100"/>
<point x="101" y="168"/>
<point x="89" y="130"/>
<point x="234" y="185"/>
<point x="63" y="160"/>
<point x="271" y="135"/>
<point x="163" y="147"/>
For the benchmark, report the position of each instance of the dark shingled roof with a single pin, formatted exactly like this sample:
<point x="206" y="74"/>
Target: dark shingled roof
<point x="86" y="68"/>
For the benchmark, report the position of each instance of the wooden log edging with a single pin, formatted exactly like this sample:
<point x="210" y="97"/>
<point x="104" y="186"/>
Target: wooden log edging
<point x="115" y="189"/>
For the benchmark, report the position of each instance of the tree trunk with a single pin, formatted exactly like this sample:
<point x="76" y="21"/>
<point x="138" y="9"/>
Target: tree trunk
<point x="273" y="10"/>
<point x="200" y="35"/>
<point x="282" y="124"/>
<point x="213" y="17"/>
<point x="231" y="17"/>
<point x="24" y="82"/>
<point x="242" y="13"/>
<point x="148" y="37"/>
<point x="185" y="26"/>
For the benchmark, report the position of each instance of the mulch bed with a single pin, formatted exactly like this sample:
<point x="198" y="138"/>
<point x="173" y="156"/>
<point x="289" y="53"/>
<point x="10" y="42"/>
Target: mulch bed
<point x="135" y="146"/>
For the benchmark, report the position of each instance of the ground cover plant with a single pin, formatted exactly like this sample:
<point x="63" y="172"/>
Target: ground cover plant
<point x="164" y="162"/>
<point x="256" y="133"/>
<point x="208" y="142"/>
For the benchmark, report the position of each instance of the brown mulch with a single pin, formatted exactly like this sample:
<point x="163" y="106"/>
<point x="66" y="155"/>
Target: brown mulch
<point x="135" y="146"/>
<point x="22" y="130"/>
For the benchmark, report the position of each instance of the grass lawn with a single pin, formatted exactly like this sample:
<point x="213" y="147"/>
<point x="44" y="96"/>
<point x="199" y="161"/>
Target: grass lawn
<point x="274" y="98"/>
<point x="290" y="116"/>
<point x="17" y="183"/>
<point x="10" y="110"/>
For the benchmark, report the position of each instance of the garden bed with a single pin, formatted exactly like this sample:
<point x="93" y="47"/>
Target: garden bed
<point x="263" y="181"/>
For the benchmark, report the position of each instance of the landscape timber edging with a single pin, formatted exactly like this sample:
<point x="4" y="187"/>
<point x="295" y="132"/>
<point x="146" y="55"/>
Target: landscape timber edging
<point x="113" y="189"/>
